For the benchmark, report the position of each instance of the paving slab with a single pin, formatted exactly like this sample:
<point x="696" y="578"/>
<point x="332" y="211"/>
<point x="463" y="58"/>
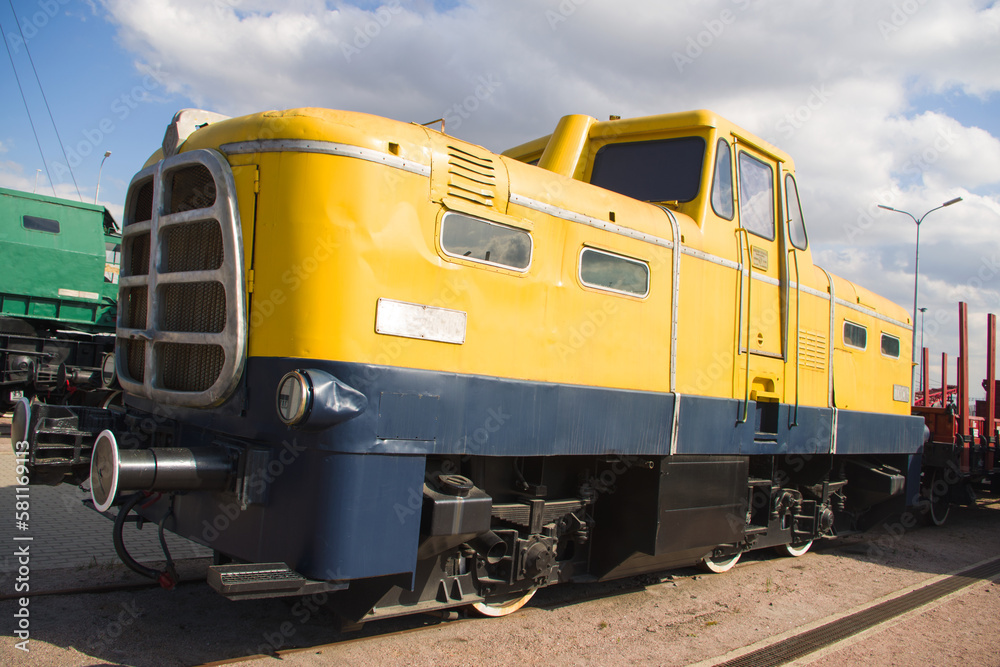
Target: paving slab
<point x="62" y="532"/>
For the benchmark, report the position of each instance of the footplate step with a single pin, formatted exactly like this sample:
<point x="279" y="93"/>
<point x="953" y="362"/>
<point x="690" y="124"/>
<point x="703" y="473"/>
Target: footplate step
<point x="254" y="581"/>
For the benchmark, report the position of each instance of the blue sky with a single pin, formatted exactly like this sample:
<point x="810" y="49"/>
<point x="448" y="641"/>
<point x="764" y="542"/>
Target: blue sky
<point x="894" y="102"/>
<point x="89" y="82"/>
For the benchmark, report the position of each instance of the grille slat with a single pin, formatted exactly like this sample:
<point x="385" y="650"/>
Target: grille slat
<point x="471" y="177"/>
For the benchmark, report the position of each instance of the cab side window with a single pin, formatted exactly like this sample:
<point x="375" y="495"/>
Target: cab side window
<point x="796" y="224"/>
<point x="756" y="196"/>
<point x="722" y="185"/>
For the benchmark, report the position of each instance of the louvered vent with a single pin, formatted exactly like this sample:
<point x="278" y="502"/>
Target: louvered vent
<point x="812" y="350"/>
<point x="471" y="177"/>
<point x="182" y="319"/>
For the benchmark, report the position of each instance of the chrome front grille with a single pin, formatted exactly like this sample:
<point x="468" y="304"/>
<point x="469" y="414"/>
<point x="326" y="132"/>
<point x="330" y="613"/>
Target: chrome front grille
<point x="182" y="319"/>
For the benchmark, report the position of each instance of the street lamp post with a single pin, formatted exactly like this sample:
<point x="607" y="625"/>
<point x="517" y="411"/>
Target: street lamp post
<point x="916" y="275"/>
<point x="923" y="318"/>
<point x="107" y="154"/>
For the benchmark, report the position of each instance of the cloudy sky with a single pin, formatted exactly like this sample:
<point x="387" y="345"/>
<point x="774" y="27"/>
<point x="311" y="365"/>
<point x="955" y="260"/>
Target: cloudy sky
<point x="891" y="102"/>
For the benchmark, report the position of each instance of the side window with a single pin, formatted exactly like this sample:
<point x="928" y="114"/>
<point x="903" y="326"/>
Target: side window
<point x="486" y="242"/>
<point x="40" y="224"/>
<point x="722" y="185"/>
<point x="614" y="273"/>
<point x="855" y="335"/>
<point x="796" y="224"/>
<point x="890" y="346"/>
<point x="756" y="196"/>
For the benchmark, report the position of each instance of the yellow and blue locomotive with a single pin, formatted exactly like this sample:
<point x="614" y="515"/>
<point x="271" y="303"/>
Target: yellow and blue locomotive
<point x="364" y="355"/>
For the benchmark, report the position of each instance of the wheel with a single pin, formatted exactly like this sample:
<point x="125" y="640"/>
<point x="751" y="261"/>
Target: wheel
<point x="940" y="506"/>
<point x="502" y="606"/>
<point x="793" y="550"/>
<point x="719" y="565"/>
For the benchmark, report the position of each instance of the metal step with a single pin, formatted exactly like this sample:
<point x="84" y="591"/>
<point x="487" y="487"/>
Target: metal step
<point x="254" y="581"/>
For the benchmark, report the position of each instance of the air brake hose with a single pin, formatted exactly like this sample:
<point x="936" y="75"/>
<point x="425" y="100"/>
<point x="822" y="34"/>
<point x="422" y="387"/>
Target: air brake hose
<point x="167" y="578"/>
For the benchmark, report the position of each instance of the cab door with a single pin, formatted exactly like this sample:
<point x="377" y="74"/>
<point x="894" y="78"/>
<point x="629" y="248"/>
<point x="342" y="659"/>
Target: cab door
<point x="762" y="330"/>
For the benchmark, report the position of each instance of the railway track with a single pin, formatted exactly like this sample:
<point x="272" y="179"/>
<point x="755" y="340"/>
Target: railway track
<point x="560" y="610"/>
<point x="829" y="633"/>
<point x="769" y="653"/>
<point x="97" y="590"/>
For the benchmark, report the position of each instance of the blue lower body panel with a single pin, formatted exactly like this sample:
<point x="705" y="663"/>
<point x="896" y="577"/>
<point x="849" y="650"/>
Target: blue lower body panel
<point x="328" y="515"/>
<point x="344" y="502"/>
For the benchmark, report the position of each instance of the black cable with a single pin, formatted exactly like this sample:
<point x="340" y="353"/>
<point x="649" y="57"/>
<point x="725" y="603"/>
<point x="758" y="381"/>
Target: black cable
<point x="167" y="578"/>
<point x="26" y="109"/>
<point x="42" y="90"/>
<point x="119" y="539"/>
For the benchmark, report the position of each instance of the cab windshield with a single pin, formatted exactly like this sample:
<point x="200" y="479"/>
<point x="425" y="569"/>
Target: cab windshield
<point x="658" y="170"/>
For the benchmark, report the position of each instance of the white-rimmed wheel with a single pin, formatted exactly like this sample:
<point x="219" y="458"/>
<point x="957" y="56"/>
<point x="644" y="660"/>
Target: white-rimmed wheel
<point x="503" y="605"/>
<point x="939" y="505"/>
<point x="718" y="564"/>
<point x="793" y="550"/>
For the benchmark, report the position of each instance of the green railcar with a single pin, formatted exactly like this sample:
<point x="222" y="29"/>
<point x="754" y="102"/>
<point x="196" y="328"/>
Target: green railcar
<point x="58" y="297"/>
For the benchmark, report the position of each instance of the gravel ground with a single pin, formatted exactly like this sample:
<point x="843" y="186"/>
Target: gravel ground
<point x="676" y="618"/>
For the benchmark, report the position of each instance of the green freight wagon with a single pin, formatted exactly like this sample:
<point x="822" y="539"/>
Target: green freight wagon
<point x="58" y="298"/>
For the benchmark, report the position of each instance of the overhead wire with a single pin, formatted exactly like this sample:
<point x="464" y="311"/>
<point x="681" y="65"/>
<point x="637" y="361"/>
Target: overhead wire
<point x="45" y="99"/>
<point x="27" y="110"/>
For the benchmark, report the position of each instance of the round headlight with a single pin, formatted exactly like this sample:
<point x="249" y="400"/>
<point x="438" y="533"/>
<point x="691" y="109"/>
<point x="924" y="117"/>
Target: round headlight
<point x="108" y="370"/>
<point x="293" y="397"/>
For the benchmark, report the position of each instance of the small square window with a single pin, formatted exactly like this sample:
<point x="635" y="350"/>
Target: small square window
<point x="613" y="273"/>
<point x="890" y="346"/>
<point x="485" y="242"/>
<point x="40" y="224"/>
<point x="855" y="335"/>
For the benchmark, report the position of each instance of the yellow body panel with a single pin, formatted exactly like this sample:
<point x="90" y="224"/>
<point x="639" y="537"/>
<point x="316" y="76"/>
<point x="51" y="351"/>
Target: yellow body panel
<point x="332" y="234"/>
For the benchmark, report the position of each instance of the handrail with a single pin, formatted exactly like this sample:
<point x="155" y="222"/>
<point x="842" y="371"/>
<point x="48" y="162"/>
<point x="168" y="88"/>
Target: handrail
<point x="748" y="264"/>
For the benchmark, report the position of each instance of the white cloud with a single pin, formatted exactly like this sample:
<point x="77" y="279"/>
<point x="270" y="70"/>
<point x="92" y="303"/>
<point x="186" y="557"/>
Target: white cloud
<point x="833" y="84"/>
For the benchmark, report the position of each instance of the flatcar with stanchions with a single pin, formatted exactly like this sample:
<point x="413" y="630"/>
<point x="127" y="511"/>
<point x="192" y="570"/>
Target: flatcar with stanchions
<point x="366" y="357"/>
